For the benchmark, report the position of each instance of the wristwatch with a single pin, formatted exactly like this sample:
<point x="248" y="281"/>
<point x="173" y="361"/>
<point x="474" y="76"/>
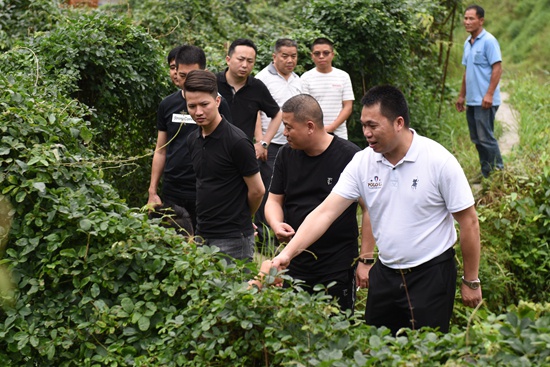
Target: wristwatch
<point x="366" y="261"/>
<point x="473" y="284"/>
<point x="264" y="144"/>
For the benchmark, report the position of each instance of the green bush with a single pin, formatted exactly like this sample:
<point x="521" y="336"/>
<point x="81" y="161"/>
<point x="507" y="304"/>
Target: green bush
<point x="22" y="18"/>
<point x="118" y="71"/>
<point x="515" y="215"/>
<point x="94" y="283"/>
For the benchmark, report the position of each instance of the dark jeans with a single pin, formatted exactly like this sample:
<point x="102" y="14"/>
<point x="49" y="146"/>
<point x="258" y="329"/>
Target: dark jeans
<point x="481" y="125"/>
<point x="412" y="298"/>
<point x="241" y="248"/>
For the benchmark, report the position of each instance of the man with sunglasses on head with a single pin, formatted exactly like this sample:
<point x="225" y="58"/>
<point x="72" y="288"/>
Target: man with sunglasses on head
<point x="330" y="86"/>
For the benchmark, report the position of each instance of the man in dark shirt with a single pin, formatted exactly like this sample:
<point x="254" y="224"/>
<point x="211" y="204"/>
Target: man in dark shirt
<point x="306" y="169"/>
<point x="247" y="96"/>
<point x="171" y="159"/>
<point x="229" y="186"/>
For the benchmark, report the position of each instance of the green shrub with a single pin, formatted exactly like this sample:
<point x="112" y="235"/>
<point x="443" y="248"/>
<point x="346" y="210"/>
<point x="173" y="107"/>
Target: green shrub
<point x="22" y="18"/>
<point x="118" y="71"/>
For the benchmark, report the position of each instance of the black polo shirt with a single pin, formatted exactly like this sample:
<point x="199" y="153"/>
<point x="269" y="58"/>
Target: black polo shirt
<point x="220" y="161"/>
<point x="178" y="176"/>
<point x="247" y="101"/>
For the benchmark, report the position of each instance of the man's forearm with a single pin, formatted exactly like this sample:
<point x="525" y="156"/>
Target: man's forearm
<point x="273" y="127"/>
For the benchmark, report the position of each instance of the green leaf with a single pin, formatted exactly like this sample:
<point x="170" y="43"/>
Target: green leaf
<point x="144" y="323"/>
<point x="40" y="186"/>
<point x="20" y="196"/>
<point x="85" y="224"/>
<point x="69" y="252"/>
<point x="127" y="305"/>
<point x="95" y="290"/>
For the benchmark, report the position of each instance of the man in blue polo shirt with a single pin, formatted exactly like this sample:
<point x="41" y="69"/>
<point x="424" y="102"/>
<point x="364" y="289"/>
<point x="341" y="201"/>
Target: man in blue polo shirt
<point x="480" y="88"/>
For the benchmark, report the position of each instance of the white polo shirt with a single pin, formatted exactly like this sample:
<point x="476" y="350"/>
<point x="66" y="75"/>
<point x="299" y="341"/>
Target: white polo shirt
<point x="281" y="89"/>
<point x="330" y="90"/>
<point x="410" y="204"/>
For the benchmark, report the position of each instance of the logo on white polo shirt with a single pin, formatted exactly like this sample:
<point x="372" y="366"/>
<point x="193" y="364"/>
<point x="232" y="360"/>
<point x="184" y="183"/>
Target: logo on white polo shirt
<point x="375" y="183"/>
<point x="414" y="183"/>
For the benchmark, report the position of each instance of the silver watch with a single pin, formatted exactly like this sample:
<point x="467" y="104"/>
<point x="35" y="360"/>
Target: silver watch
<point x="473" y="284"/>
<point x="264" y="144"/>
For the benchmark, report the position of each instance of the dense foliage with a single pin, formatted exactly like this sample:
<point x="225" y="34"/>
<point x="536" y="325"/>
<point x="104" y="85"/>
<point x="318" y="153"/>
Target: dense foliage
<point x="85" y="279"/>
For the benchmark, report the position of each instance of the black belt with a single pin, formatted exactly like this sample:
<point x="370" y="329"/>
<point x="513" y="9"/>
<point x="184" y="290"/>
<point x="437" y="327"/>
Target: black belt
<point x="447" y="255"/>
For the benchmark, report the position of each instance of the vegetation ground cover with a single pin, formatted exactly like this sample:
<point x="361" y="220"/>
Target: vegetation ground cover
<point x="86" y="279"/>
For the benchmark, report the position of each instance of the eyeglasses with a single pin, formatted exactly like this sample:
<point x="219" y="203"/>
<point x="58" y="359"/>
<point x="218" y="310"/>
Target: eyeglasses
<point x="318" y="53"/>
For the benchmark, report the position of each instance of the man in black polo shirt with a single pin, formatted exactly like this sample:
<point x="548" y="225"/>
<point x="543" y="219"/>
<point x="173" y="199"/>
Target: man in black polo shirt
<point x="229" y="186"/>
<point x="171" y="160"/>
<point x="247" y="96"/>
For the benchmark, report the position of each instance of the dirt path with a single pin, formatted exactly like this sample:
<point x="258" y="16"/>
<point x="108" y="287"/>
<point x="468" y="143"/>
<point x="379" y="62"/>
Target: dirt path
<point x="508" y="117"/>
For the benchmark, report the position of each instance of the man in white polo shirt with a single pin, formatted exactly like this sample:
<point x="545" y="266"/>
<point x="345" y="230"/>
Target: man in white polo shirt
<point x="281" y="80"/>
<point x="330" y="86"/>
<point x="414" y="189"/>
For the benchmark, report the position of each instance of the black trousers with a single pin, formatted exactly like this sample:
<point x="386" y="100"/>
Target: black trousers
<point x="412" y="298"/>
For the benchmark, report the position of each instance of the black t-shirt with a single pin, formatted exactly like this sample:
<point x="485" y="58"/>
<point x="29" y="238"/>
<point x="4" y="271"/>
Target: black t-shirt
<point x="220" y="161"/>
<point x="305" y="182"/>
<point x="245" y="104"/>
<point x="178" y="175"/>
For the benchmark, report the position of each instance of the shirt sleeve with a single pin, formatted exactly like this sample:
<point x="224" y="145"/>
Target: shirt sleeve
<point x="269" y="105"/>
<point x="454" y="187"/>
<point x="224" y="109"/>
<point x="348" y="89"/>
<point x="162" y="125"/>
<point x="348" y="183"/>
<point x="492" y="51"/>
<point x="244" y="156"/>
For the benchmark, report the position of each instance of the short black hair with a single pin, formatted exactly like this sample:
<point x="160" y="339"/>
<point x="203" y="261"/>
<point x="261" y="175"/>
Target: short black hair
<point x="284" y="42"/>
<point x="322" y="41"/>
<point x="241" y="42"/>
<point x="392" y="102"/>
<point x="480" y="12"/>
<point x="304" y="107"/>
<point x="201" y="81"/>
<point x="189" y="55"/>
<point x="172" y="54"/>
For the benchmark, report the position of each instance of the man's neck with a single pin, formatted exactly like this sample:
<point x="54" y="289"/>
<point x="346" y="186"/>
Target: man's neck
<point x="320" y="145"/>
<point x="207" y="130"/>
<point x="400" y="152"/>
<point x="325" y="70"/>
<point x="476" y="34"/>
<point x="236" y="83"/>
<point x="281" y="74"/>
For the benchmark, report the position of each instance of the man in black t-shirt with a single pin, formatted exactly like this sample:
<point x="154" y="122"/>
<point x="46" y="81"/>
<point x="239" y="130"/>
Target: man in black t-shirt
<point x="306" y="169"/>
<point x="171" y="160"/>
<point x="229" y="186"/>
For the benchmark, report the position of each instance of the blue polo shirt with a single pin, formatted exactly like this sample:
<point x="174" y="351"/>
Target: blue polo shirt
<point x="479" y="59"/>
